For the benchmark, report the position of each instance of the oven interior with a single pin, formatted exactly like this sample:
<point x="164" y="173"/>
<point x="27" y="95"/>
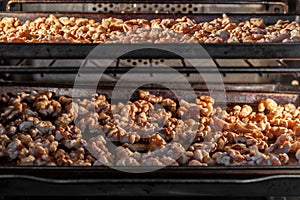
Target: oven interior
<point x="248" y="72"/>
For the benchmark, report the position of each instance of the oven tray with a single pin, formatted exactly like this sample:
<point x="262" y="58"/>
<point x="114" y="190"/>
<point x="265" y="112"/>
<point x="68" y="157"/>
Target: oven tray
<point x="102" y="181"/>
<point x="221" y="50"/>
<point x="168" y="181"/>
<point x="146" y="51"/>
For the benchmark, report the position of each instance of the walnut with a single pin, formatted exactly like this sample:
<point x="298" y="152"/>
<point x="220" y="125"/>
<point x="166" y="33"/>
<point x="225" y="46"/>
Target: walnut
<point x="13" y="148"/>
<point x="27" y="161"/>
<point x="196" y="163"/>
<point x="70" y="136"/>
<point x="47" y="106"/>
<point x="4" y="98"/>
<point x="245" y="111"/>
<point x="62" y="158"/>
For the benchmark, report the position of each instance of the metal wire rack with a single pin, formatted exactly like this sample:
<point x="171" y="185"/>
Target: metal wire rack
<point x="156" y="7"/>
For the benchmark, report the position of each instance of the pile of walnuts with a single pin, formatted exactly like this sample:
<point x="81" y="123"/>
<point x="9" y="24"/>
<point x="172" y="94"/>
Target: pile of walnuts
<point x="43" y="128"/>
<point x="113" y="30"/>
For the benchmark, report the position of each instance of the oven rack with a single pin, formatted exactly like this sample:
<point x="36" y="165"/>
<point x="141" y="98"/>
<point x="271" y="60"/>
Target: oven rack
<point x="120" y="66"/>
<point x="154" y="6"/>
<point x="64" y="72"/>
<point x="280" y="59"/>
<point x="81" y="51"/>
